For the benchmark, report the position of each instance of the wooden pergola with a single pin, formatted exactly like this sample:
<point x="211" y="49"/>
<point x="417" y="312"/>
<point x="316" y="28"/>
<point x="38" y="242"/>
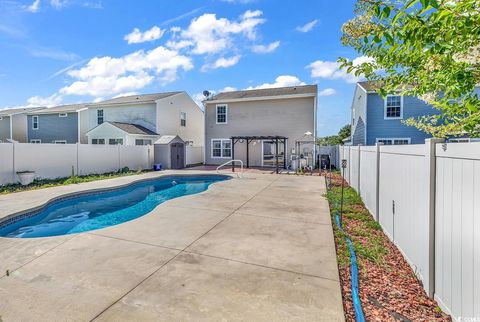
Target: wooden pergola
<point x="248" y="139"/>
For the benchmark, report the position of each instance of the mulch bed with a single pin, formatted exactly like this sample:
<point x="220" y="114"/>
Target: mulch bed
<point x="389" y="290"/>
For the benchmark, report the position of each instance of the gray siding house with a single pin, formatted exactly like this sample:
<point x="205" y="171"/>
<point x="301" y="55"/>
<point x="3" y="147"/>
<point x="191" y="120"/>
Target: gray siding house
<point x="13" y="124"/>
<point x="288" y="112"/>
<point x="375" y="119"/>
<point x="61" y="125"/>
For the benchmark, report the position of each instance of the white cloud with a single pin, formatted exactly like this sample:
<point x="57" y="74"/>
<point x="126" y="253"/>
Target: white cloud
<point x="264" y="49"/>
<point x="49" y="101"/>
<point x="208" y="34"/>
<point x="308" y="26"/>
<point x="327" y="92"/>
<point x="58" y="4"/>
<point x="126" y="94"/>
<point x="332" y="70"/>
<point x="222" y="63"/>
<point x="106" y="76"/>
<point x="136" y="36"/>
<point x="280" y="81"/>
<point x="34" y="7"/>
<point x="228" y="89"/>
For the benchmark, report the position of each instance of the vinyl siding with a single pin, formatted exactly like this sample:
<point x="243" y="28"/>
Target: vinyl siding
<point x="378" y="127"/>
<point x="359" y="106"/>
<point x="5" y="128"/>
<point x="52" y="127"/>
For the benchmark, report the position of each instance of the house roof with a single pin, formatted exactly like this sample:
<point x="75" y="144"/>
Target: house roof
<point x="11" y="111"/>
<point x="132" y="128"/>
<point x="61" y="109"/>
<point x="368" y="86"/>
<point x="145" y="98"/>
<point x="266" y="92"/>
<point x="166" y="139"/>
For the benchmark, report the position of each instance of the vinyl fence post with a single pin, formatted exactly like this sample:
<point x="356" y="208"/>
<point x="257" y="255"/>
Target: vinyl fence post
<point x="430" y="159"/>
<point x="377" y="184"/>
<point x="358" y="176"/>
<point x="78" y="170"/>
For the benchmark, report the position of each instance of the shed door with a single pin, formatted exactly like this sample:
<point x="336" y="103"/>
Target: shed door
<point x="177" y="155"/>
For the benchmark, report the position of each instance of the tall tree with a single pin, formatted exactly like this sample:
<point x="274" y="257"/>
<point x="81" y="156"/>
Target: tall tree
<point x="424" y="48"/>
<point x="335" y="139"/>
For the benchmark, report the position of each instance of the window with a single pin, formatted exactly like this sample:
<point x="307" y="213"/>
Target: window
<point x="60" y="142"/>
<point x="222" y="112"/>
<point x="35" y="141"/>
<point x="394" y="141"/>
<point x="183" y="119"/>
<point x="62" y="115"/>
<point x="98" y="141"/>
<point x="143" y="142"/>
<point x="99" y="117"/>
<point x="393" y="107"/>
<point x="115" y="141"/>
<point x="221" y="148"/>
<point x="35" y="124"/>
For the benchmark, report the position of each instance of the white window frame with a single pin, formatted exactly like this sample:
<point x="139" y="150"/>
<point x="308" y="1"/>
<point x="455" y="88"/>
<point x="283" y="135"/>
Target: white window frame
<point x="183" y="119"/>
<point x="103" y="116"/>
<point x="123" y="141"/>
<point x="35" y="117"/>
<point x="226" y="113"/>
<point x="150" y="142"/>
<point x="221" y="149"/>
<point x="393" y="139"/>
<point x="35" y="141"/>
<point x="62" y="114"/>
<point x="385" y="117"/>
<point x="104" y="141"/>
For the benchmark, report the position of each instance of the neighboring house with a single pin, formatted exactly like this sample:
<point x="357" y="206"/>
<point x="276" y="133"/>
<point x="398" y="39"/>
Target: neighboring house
<point x="66" y="124"/>
<point x="256" y="115"/>
<point x="173" y="113"/>
<point x="13" y="124"/>
<point x="117" y="133"/>
<point x="375" y="119"/>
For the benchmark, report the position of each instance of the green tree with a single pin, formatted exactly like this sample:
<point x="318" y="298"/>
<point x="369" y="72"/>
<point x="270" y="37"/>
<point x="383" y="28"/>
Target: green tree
<point x="424" y="48"/>
<point x="335" y="139"/>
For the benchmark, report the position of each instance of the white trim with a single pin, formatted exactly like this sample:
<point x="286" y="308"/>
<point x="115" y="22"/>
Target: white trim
<point x="385" y="108"/>
<point x="221" y="148"/>
<point x="104" y="141"/>
<point x="35" y="141"/>
<point x="261" y="98"/>
<point x="38" y="122"/>
<point x="226" y="113"/>
<point x="103" y="115"/>
<point x="358" y="84"/>
<point x="60" y="141"/>
<point x="123" y="141"/>
<point x="393" y="139"/>
<point x="62" y="114"/>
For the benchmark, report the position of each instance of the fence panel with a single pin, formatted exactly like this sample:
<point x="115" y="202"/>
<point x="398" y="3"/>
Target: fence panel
<point x="97" y="158"/>
<point x="193" y="155"/>
<point x="368" y="178"/>
<point x="135" y="157"/>
<point x="7" y="174"/>
<point x="457" y="230"/>
<point x="355" y="167"/>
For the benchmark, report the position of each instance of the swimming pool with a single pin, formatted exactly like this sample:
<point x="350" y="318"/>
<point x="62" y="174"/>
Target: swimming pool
<point x="95" y="210"/>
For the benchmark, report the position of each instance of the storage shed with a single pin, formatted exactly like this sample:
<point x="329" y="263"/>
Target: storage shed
<point x="170" y="152"/>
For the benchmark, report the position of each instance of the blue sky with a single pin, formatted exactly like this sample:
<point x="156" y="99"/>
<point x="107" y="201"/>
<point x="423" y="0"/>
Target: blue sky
<point x="67" y="51"/>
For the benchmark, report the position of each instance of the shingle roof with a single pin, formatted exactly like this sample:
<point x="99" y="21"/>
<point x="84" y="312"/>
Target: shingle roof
<point x="10" y="111"/>
<point x="145" y="98"/>
<point x="132" y="128"/>
<point x="61" y="109"/>
<point x="267" y="92"/>
<point x="369" y="86"/>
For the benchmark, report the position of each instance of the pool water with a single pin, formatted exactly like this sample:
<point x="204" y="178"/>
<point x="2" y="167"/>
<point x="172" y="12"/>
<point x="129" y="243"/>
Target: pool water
<point x="103" y="209"/>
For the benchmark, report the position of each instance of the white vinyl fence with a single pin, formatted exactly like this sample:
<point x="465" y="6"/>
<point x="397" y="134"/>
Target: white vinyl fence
<point x="193" y="155"/>
<point x="60" y="160"/>
<point x="427" y="200"/>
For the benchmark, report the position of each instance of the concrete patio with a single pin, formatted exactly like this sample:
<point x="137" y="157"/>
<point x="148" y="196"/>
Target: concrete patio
<point x="254" y="249"/>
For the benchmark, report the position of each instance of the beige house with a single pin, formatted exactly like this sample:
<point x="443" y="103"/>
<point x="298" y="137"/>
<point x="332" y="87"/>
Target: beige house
<point x="268" y="123"/>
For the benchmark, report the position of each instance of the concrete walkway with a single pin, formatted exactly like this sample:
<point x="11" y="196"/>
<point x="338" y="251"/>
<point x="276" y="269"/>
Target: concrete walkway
<point x="253" y="249"/>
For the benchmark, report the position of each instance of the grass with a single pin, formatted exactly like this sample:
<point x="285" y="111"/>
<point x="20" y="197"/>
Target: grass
<point x="47" y="183"/>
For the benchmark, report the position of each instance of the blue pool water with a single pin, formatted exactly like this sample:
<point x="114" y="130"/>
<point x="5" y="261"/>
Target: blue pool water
<point x="94" y="211"/>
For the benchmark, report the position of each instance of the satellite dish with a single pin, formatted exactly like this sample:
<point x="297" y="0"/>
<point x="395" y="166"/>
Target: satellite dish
<point x="206" y="94"/>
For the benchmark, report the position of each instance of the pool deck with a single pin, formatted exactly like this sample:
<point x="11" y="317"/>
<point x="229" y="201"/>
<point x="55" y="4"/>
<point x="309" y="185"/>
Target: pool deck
<point x="254" y="249"/>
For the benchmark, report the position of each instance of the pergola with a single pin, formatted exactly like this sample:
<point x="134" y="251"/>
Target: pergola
<point x="277" y="139"/>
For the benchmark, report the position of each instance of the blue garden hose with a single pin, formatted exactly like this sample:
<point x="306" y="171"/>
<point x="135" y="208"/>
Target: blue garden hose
<point x="357" y="305"/>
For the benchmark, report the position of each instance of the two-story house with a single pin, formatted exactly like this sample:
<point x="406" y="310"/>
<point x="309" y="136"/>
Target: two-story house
<point x="66" y="124"/>
<point x="379" y="120"/>
<point x="260" y="126"/>
<point x="13" y="124"/>
<point x="141" y="119"/>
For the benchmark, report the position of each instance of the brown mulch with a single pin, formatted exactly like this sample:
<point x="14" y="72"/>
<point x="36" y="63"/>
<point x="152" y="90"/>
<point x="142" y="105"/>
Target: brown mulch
<point x="389" y="290"/>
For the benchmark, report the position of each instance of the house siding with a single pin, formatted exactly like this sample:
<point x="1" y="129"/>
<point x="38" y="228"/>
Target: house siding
<point x="52" y="127"/>
<point x="5" y="128"/>
<point x="359" y="105"/>
<point x="378" y="127"/>
<point x="284" y="117"/>
<point x="140" y="114"/>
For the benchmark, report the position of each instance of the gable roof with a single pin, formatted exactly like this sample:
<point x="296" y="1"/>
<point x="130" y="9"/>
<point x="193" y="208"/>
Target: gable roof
<point x="132" y="128"/>
<point x="61" y="109"/>
<point x="19" y="110"/>
<point x="166" y="139"/>
<point x="145" y="98"/>
<point x="266" y="92"/>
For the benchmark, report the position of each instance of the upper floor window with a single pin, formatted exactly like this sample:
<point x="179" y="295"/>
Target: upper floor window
<point x="222" y="112"/>
<point x="183" y="119"/>
<point x="393" y="107"/>
<point x="99" y="117"/>
<point x="35" y="123"/>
